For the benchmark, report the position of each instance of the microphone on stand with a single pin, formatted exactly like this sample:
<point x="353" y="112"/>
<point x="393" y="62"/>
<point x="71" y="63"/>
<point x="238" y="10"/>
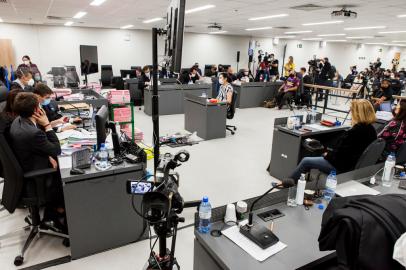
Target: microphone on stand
<point x="257" y="233"/>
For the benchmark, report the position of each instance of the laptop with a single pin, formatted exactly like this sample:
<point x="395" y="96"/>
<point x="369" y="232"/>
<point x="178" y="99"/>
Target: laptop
<point x="353" y="188"/>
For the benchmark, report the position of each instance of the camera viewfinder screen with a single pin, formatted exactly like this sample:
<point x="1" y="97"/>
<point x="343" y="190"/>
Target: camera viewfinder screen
<point x="140" y="187"/>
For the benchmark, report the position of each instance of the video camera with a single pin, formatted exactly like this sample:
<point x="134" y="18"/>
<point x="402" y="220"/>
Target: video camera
<point x="161" y="197"/>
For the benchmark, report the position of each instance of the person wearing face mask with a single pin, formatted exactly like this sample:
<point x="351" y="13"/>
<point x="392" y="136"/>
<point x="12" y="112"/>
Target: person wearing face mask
<point x="193" y="75"/>
<point x="394" y="132"/>
<point x="274" y="67"/>
<point x="226" y="89"/>
<point x="289" y="66"/>
<point x="24" y="80"/>
<point x="145" y="80"/>
<point x="288" y="90"/>
<point x="37" y="147"/>
<point x="244" y="76"/>
<point x="58" y="122"/>
<point x="36" y="74"/>
<point x="199" y="71"/>
<point x="384" y="94"/>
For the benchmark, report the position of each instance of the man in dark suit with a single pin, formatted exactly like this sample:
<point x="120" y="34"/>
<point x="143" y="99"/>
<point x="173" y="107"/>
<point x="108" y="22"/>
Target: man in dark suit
<point x="36" y="147"/>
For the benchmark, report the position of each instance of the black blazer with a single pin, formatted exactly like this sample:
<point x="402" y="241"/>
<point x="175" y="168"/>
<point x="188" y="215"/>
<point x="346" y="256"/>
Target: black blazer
<point x="350" y="147"/>
<point x="32" y="146"/>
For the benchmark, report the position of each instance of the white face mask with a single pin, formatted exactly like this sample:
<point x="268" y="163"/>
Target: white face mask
<point x="147" y="74"/>
<point x="27" y="63"/>
<point x="221" y="81"/>
<point x="31" y="82"/>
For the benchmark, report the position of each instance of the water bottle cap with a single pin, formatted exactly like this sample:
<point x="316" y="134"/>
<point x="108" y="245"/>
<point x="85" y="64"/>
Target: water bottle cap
<point x="402" y="174"/>
<point x="333" y="172"/>
<point x="321" y="207"/>
<point x="102" y="145"/>
<point x="205" y="199"/>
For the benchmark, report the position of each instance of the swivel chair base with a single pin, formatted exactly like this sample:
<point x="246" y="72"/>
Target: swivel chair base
<point x="232" y="129"/>
<point x="35" y="233"/>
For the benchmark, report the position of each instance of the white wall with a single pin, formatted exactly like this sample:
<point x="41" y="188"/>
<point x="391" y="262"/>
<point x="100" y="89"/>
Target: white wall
<point x="55" y="46"/>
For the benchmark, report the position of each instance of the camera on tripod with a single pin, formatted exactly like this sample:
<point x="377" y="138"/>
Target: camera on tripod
<point x="161" y="204"/>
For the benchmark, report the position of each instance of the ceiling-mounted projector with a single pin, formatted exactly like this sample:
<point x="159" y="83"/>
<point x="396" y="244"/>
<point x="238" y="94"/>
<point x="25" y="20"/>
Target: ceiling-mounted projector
<point x="215" y="26"/>
<point x="344" y="14"/>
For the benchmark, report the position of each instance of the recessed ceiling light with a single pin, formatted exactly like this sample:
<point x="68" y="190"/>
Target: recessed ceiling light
<point x="199" y="9"/>
<point x="375" y="43"/>
<point x="299" y="32"/>
<point x="79" y="15"/>
<point x="360" y="37"/>
<point x="97" y="2"/>
<point x="283" y="37"/>
<point x="364" y="28"/>
<point x="218" y="32"/>
<point x="393" y="32"/>
<point x="68" y="23"/>
<point x="311" y="38"/>
<point x="402" y="16"/>
<point x="321" y="23"/>
<point x="268" y="17"/>
<point x="399" y="41"/>
<point x="126" y="26"/>
<point x="336" y="40"/>
<point x="331" y="35"/>
<point x="153" y="20"/>
<point x="258" y="28"/>
<point x="399" y="45"/>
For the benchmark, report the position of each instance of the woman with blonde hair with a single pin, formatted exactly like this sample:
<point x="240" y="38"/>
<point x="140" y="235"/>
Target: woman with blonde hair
<point x="350" y="145"/>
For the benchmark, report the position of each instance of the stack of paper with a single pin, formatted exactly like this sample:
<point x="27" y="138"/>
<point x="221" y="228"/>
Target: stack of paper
<point x="82" y="137"/>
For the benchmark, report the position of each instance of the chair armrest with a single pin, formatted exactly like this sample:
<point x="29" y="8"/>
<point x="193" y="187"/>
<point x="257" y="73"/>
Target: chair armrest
<point x="42" y="172"/>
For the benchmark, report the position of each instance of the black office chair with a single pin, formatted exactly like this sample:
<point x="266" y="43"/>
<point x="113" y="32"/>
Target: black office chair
<point x="72" y="77"/>
<point x="231" y="112"/>
<point x="372" y="154"/>
<point x="106" y="75"/>
<point x="25" y="190"/>
<point x="401" y="155"/>
<point x="117" y="83"/>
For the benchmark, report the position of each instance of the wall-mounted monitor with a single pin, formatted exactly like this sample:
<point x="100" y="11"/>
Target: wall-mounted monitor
<point x="89" y="62"/>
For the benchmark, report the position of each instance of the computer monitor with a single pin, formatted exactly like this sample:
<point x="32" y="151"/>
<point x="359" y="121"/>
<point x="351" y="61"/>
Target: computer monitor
<point x="128" y="72"/>
<point x="101" y="118"/>
<point x="102" y="124"/>
<point x="89" y="59"/>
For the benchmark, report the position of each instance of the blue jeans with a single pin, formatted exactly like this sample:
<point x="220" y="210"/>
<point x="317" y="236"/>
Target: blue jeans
<point x="309" y="163"/>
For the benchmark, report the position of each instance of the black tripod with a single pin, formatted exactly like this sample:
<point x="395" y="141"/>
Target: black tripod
<point x="165" y="260"/>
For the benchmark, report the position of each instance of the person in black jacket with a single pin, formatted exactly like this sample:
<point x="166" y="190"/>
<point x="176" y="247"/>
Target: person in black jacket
<point x="306" y="95"/>
<point x="24" y="80"/>
<point x="144" y="81"/>
<point x="51" y="108"/>
<point x="36" y="147"/>
<point x="350" y="145"/>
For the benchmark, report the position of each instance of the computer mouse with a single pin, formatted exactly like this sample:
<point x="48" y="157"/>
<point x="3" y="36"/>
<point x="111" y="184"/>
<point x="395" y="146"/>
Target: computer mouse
<point x="76" y="171"/>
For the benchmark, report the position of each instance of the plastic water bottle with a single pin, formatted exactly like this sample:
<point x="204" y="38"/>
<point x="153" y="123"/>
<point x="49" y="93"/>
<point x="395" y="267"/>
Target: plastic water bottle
<point x="389" y="170"/>
<point x="103" y="157"/>
<point x="313" y="116"/>
<point x="301" y="184"/>
<point x="331" y="185"/>
<point x="205" y="216"/>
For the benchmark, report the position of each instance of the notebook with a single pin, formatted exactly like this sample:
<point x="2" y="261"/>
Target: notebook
<point x="353" y="188"/>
